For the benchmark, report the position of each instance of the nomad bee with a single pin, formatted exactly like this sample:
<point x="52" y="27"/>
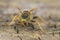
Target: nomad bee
<point x="28" y="19"/>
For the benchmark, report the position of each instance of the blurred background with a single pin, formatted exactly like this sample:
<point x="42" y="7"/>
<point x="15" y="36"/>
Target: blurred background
<point x="46" y="7"/>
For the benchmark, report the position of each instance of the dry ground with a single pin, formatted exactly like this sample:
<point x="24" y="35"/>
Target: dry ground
<point x="25" y="33"/>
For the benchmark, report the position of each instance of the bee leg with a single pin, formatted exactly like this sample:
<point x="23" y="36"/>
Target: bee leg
<point x="38" y="36"/>
<point x="16" y="29"/>
<point x="42" y="20"/>
<point x="21" y="20"/>
<point x="25" y="23"/>
<point x="12" y="20"/>
<point x="30" y="24"/>
<point x="38" y="24"/>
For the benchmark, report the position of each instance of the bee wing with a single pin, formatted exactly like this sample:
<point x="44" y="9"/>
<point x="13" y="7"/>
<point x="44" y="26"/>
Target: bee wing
<point x="33" y="9"/>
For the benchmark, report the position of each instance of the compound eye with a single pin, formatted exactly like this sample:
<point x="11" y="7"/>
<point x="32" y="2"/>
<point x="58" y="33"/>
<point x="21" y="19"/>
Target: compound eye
<point x="25" y="14"/>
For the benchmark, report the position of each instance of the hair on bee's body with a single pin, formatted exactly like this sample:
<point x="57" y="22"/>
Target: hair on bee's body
<point x="28" y="19"/>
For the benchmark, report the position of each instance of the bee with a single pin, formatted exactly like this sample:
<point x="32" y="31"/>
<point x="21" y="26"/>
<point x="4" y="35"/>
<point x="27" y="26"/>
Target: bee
<point x="28" y="19"/>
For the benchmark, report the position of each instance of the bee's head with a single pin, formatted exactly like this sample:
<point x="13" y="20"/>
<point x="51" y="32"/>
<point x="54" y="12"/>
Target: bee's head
<point x="25" y="14"/>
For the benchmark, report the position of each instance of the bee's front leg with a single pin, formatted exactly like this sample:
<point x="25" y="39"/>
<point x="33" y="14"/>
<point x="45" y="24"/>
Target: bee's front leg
<point x="38" y="24"/>
<point x="12" y="22"/>
<point x="21" y="20"/>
